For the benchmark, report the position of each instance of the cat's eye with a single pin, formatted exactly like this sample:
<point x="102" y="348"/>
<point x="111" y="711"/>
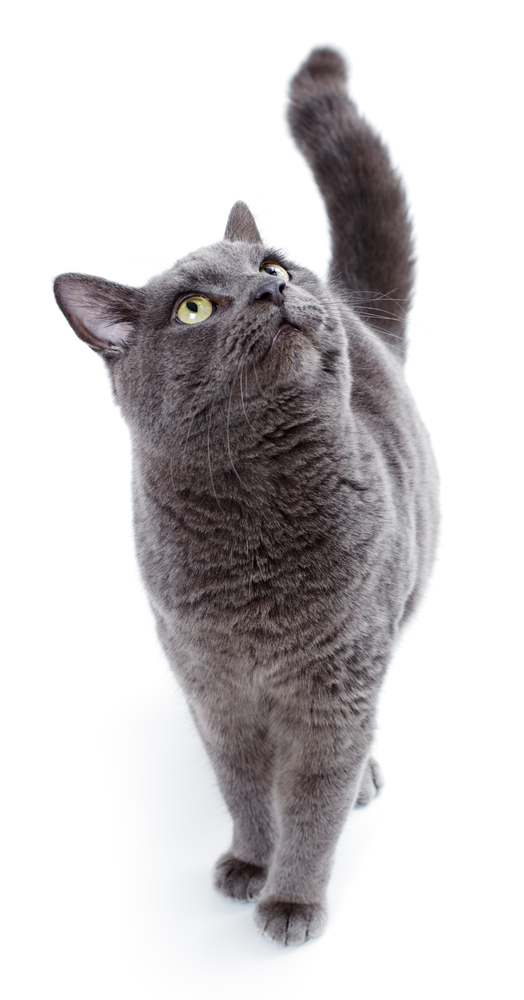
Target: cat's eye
<point x="275" y="270"/>
<point x="195" y="309"/>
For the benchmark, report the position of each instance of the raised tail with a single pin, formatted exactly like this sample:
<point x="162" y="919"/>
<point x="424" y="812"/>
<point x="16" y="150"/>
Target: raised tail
<point x="371" y="238"/>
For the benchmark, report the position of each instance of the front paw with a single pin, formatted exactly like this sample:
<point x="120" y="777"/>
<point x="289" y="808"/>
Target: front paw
<point x="238" y="879"/>
<point x="289" y="923"/>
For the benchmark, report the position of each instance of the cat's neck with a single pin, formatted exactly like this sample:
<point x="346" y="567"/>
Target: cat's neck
<point x="233" y="457"/>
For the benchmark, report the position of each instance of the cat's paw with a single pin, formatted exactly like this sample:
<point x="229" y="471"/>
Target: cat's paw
<point x="323" y="69"/>
<point x="289" y="923"/>
<point x="372" y="782"/>
<point x="238" y="879"/>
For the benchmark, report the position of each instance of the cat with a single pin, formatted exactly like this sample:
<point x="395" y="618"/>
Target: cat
<point x="285" y="497"/>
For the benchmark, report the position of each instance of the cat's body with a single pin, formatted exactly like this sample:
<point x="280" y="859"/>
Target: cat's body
<point x="285" y="499"/>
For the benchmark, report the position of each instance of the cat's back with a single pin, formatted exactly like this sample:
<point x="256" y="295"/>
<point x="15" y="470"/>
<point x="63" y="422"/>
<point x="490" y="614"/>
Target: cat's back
<point x="391" y="430"/>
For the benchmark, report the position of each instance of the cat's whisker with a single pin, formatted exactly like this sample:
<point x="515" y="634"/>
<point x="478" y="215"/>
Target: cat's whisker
<point x="251" y="352"/>
<point x="256" y="378"/>
<point x="397" y="350"/>
<point x="245" y="370"/>
<point x="243" y="367"/>
<point x="191" y="417"/>
<point x="374" y="295"/>
<point x="381" y="313"/>
<point x="386" y="314"/>
<point x="387" y="333"/>
<point x="171" y="475"/>
<point x="227" y="435"/>
<point x="209" y="446"/>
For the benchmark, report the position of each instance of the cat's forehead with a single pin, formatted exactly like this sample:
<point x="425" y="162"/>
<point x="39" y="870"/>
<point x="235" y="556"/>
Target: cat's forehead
<point x="218" y="262"/>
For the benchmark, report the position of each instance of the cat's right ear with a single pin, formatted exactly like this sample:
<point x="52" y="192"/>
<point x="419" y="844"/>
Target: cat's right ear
<point x="241" y="226"/>
<point x="102" y="313"/>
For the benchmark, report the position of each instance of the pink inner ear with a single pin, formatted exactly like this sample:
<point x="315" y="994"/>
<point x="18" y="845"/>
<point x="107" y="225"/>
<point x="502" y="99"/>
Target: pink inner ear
<point x="92" y="315"/>
<point x="92" y="306"/>
<point x="112" y="333"/>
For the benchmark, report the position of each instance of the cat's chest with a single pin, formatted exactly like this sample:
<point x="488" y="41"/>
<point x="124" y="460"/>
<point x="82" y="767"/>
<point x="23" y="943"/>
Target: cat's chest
<point x="259" y="561"/>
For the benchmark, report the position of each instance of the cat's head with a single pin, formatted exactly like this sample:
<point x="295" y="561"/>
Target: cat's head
<point x="232" y="324"/>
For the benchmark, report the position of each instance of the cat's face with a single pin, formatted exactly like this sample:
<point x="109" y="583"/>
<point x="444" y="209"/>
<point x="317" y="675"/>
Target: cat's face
<point x="232" y="324"/>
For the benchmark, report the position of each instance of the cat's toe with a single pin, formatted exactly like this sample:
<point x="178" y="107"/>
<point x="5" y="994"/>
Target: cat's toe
<point x="289" y="923"/>
<point x="372" y="782"/>
<point x="238" y="879"/>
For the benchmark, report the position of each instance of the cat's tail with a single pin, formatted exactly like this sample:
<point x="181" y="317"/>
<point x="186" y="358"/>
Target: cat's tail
<point x="371" y="239"/>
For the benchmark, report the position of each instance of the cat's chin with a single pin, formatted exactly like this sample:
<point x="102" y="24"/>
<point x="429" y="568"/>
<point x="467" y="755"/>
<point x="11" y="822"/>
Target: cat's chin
<point x="284" y="329"/>
<point x="298" y="364"/>
<point x="292" y="357"/>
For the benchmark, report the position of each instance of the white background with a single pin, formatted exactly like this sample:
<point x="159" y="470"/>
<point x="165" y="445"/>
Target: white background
<point x="131" y="130"/>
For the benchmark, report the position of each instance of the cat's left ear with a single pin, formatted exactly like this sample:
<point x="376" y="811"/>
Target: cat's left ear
<point x="241" y="226"/>
<point x="102" y="313"/>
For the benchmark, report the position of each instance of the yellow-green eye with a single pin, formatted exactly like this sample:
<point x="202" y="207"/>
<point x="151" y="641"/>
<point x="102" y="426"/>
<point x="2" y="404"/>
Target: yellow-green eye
<point x="275" y="270"/>
<point x="195" y="309"/>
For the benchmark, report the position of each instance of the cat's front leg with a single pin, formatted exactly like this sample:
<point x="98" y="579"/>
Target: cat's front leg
<point x="319" y="768"/>
<point x="242" y="761"/>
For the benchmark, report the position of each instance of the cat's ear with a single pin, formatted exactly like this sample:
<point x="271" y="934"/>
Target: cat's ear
<point x="102" y="313"/>
<point x="241" y="226"/>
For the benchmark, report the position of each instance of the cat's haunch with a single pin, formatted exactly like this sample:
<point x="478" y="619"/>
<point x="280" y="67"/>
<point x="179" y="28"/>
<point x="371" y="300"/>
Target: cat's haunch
<point x="285" y="497"/>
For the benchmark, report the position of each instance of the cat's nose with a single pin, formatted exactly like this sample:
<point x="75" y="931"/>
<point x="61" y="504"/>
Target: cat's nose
<point x="271" y="291"/>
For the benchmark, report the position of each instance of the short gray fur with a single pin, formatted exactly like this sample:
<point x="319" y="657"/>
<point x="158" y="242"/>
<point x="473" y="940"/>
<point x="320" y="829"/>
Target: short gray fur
<point x="285" y="499"/>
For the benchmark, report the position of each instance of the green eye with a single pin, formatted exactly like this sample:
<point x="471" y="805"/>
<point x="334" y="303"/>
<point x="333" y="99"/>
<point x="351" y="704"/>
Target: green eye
<point x="195" y="309"/>
<point x="275" y="270"/>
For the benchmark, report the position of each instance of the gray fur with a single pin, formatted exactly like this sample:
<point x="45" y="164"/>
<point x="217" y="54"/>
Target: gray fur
<point x="285" y="499"/>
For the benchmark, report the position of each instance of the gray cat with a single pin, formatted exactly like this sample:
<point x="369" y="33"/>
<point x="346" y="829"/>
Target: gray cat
<point x="285" y="497"/>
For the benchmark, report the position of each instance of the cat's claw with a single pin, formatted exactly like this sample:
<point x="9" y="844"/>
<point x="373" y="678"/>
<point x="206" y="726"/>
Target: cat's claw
<point x="289" y="923"/>
<point x="238" y="879"/>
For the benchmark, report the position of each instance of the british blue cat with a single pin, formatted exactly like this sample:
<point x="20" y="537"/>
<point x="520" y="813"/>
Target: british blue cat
<point x="285" y="497"/>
